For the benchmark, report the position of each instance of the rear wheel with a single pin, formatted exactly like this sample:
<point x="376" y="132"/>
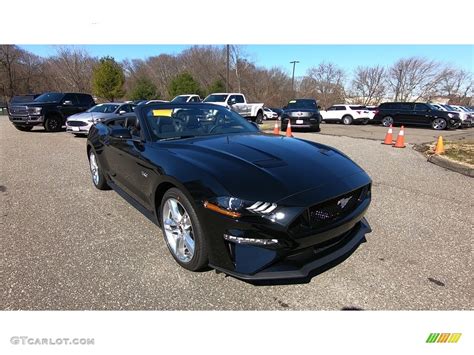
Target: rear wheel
<point x="387" y="121"/>
<point x="53" y="124"/>
<point x="24" y="128"/>
<point x="439" y="124"/>
<point x="182" y="231"/>
<point x="364" y="122"/>
<point x="347" y="120"/>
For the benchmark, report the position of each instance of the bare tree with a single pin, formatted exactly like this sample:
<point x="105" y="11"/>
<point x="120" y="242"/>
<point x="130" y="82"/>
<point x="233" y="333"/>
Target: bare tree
<point x="72" y="68"/>
<point x="9" y="69"/>
<point x="326" y="83"/>
<point x="457" y="85"/>
<point x="413" y="79"/>
<point x="369" y="85"/>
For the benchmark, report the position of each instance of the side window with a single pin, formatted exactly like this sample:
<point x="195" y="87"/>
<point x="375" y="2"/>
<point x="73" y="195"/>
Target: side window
<point x="232" y="97"/>
<point x="332" y="108"/>
<point x="421" y="107"/>
<point x="239" y="99"/>
<point x="70" y="97"/>
<point x="84" y="100"/>
<point x="125" y="108"/>
<point x="406" y="107"/>
<point x="340" y="108"/>
<point x="195" y="99"/>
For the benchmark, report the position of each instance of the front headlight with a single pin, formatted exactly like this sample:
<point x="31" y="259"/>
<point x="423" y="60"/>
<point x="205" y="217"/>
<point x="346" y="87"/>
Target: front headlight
<point x="34" y="110"/>
<point x="235" y="207"/>
<point x="450" y="115"/>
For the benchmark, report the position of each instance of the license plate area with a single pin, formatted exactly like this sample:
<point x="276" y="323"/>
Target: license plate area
<point x="299" y="121"/>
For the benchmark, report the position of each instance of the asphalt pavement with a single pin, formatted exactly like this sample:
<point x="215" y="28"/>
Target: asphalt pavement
<point x="68" y="246"/>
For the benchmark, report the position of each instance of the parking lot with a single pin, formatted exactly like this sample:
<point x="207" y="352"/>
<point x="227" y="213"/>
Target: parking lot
<point x="65" y="245"/>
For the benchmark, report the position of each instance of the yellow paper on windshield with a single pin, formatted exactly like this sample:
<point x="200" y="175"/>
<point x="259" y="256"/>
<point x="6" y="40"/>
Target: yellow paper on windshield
<point x="163" y="112"/>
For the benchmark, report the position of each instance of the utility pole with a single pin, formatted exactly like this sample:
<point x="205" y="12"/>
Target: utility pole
<point x="228" y="69"/>
<point x="293" y="76"/>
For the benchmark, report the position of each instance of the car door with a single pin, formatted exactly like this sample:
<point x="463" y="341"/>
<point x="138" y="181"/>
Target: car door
<point x="422" y="114"/>
<point x="405" y="113"/>
<point x="69" y="105"/>
<point x="131" y="170"/>
<point x="330" y="113"/>
<point x="239" y="106"/>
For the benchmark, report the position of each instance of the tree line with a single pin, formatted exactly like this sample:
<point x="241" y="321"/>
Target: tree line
<point x="203" y="69"/>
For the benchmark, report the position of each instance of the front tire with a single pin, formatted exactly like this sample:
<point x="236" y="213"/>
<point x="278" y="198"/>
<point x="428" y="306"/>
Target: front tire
<point x="259" y="117"/>
<point x="98" y="177"/>
<point x="182" y="231"/>
<point x="53" y="124"/>
<point x="439" y="124"/>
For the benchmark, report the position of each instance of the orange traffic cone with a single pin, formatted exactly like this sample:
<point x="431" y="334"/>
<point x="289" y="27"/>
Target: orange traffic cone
<point x="389" y="137"/>
<point x="276" y="129"/>
<point x="400" y="143"/>
<point x="439" y="146"/>
<point x="288" y="129"/>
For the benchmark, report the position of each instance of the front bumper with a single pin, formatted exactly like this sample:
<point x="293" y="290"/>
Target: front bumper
<point x="27" y="120"/>
<point x="312" y="123"/>
<point x="78" y="127"/>
<point x="302" y="263"/>
<point x="297" y="251"/>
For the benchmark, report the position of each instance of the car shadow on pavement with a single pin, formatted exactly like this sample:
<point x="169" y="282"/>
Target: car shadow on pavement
<point x="307" y="279"/>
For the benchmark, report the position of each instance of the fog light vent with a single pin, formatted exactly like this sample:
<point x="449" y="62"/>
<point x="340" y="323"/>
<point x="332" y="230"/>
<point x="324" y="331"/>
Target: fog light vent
<point x="253" y="241"/>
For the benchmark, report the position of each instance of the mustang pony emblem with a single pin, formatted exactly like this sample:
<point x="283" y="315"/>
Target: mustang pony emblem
<point x="343" y="201"/>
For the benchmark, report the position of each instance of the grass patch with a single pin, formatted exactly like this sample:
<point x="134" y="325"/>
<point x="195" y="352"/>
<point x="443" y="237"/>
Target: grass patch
<point x="267" y="125"/>
<point x="459" y="151"/>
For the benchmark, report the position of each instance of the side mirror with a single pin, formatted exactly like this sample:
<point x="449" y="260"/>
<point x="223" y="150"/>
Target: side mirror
<point x="232" y="102"/>
<point x="121" y="112"/>
<point x="120" y="133"/>
<point x="319" y="107"/>
<point x="67" y="103"/>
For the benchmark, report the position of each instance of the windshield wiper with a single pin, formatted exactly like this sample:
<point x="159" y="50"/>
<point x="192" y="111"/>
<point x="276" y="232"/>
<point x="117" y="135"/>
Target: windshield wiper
<point x="176" y="137"/>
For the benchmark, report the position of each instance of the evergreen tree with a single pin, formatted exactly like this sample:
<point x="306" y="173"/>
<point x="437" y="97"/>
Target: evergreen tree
<point x="184" y="83"/>
<point x="144" y="89"/>
<point x="108" y="79"/>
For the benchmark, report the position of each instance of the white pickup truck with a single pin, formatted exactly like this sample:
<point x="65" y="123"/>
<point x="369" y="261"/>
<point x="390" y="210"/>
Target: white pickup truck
<point x="238" y="103"/>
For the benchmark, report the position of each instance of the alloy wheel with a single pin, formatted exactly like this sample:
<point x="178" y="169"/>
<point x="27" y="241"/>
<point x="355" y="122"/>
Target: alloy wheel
<point x="178" y="230"/>
<point x="387" y="121"/>
<point x="94" y="168"/>
<point x="439" y="124"/>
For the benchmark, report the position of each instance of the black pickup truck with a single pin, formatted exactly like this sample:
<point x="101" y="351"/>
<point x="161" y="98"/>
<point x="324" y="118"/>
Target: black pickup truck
<point x="50" y="110"/>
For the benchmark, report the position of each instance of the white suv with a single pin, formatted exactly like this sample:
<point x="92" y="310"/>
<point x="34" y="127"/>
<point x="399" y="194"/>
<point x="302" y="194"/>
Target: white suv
<point x="346" y="114"/>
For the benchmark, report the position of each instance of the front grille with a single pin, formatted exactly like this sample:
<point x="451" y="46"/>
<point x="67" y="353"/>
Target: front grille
<point x="76" y="123"/>
<point x="18" y="110"/>
<point x="329" y="212"/>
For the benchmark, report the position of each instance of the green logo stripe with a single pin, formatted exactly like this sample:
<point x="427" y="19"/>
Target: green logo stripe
<point x="432" y="337"/>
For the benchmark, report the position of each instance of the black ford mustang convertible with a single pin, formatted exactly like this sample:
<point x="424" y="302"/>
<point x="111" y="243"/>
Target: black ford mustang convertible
<point x="253" y="205"/>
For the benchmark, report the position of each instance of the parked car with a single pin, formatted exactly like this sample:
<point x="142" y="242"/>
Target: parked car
<point x="302" y="113"/>
<point x="49" y="110"/>
<point x="229" y="196"/>
<point x="347" y="114"/>
<point x="187" y="98"/>
<point x="238" y="103"/>
<point x="268" y="114"/>
<point x="372" y="111"/>
<point x="466" y="116"/>
<point x="278" y="111"/>
<point x="416" y="113"/>
<point x="80" y="123"/>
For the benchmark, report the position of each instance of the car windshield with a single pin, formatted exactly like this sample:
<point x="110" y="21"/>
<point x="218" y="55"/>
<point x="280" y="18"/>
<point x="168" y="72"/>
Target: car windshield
<point x="176" y="122"/>
<point x="104" y="108"/>
<point x="215" y="98"/>
<point x="49" y="97"/>
<point x="302" y="104"/>
<point x="180" y="99"/>
<point x="24" y="98"/>
<point x="435" y="107"/>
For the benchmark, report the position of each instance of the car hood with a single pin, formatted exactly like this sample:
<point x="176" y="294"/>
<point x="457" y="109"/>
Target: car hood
<point x="84" y="116"/>
<point x="267" y="167"/>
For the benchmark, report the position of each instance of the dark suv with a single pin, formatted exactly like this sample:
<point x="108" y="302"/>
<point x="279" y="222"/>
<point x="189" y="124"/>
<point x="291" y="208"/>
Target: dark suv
<point x="50" y="110"/>
<point x="303" y="113"/>
<point x="417" y="114"/>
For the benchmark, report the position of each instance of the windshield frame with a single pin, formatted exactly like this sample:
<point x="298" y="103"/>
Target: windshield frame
<point x="42" y="97"/>
<point x="104" y="105"/>
<point x="300" y="104"/>
<point x="144" y="112"/>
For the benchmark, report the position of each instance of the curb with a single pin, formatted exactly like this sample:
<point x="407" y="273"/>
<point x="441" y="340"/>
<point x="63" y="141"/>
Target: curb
<point x="451" y="165"/>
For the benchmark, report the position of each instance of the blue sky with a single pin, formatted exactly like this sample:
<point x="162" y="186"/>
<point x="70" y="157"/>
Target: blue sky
<point x="346" y="56"/>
